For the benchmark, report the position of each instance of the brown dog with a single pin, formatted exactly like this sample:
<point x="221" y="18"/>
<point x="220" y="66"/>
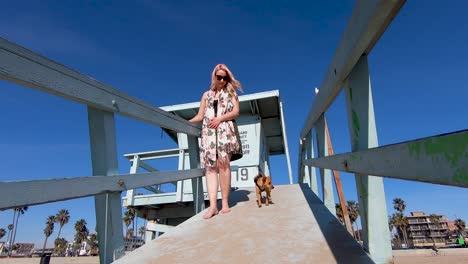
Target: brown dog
<point x="263" y="184"/>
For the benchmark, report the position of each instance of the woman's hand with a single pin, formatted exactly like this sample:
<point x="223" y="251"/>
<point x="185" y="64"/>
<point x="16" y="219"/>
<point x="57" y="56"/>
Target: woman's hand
<point x="214" y="123"/>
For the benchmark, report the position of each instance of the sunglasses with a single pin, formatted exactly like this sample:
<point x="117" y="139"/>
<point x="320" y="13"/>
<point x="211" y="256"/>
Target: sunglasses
<point x="219" y="78"/>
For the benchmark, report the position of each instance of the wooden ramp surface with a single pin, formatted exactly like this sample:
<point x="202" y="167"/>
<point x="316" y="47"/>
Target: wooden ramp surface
<point x="296" y="228"/>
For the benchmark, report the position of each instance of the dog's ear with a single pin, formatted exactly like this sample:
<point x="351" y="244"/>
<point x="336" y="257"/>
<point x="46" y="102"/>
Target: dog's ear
<point x="260" y="180"/>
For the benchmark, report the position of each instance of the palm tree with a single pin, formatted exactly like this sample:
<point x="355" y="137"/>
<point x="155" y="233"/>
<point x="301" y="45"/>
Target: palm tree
<point x="399" y="205"/>
<point x="2" y="232"/>
<point x="81" y="231"/>
<point x="48" y="230"/>
<point x="127" y="220"/>
<point x="340" y="215"/>
<point x="401" y="223"/>
<point x="142" y="232"/>
<point x="10" y="231"/>
<point x="460" y="224"/>
<point x="390" y="224"/>
<point x="60" y="246"/>
<point x="435" y="219"/>
<point x="133" y="214"/>
<point x="18" y="211"/>
<point x="353" y="208"/>
<point x="11" y="228"/>
<point x="62" y="217"/>
<point x="339" y="212"/>
<point x="93" y="242"/>
<point x="130" y="233"/>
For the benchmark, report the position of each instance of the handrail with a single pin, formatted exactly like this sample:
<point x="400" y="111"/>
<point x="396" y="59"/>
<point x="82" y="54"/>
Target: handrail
<point x="368" y="22"/>
<point x="157" y="154"/>
<point x="35" y="192"/>
<point x="22" y="66"/>
<point x="422" y="160"/>
<point x="440" y="159"/>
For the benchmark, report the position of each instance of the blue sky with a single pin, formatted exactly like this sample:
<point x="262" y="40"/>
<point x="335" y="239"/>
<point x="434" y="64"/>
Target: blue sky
<point x="163" y="52"/>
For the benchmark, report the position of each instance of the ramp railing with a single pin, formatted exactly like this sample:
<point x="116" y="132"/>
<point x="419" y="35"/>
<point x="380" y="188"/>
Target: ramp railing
<point x="24" y="67"/>
<point x="441" y="159"/>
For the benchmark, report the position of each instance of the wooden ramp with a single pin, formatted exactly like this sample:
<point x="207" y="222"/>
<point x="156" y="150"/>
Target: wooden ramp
<point x="296" y="228"/>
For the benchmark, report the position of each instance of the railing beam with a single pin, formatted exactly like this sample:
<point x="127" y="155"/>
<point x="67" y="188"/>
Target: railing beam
<point x="35" y="192"/>
<point x="441" y="159"/>
<point x="30" y="69"/>
<point x="369" y="20"/>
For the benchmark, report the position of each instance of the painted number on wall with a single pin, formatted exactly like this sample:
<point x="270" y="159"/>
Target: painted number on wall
<point x="244" y="174"/>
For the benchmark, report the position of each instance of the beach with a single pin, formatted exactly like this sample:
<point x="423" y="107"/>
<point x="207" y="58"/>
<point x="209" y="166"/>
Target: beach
<point x="414" y="256"/>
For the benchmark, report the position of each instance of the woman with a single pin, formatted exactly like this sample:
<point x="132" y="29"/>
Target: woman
<point x="219" y="106"/>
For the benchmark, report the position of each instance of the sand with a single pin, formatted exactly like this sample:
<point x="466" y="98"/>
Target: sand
<point x="399" y="256"/>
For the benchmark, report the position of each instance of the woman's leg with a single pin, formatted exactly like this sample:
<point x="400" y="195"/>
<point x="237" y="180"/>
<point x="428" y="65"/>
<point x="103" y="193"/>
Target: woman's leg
<point x="225" y="181"/>
<point x="212" y="187"/>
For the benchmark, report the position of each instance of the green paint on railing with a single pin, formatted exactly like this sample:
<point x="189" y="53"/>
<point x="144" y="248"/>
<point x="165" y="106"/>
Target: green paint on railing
<point x="415" y="149"/>
<point x="356" y="130"/>
<point x="453" y="148"/>
<point x="461" y="175"/>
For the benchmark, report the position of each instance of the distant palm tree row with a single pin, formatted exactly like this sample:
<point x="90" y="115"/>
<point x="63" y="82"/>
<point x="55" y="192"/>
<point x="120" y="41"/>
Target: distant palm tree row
<point x="62" y="217"/>
<point x="400" y="222"/>
<point x="397" y="220"/>
<point x="130" y="216"/>
<point x="12" y="228"/>
<point x="353" y="209"/>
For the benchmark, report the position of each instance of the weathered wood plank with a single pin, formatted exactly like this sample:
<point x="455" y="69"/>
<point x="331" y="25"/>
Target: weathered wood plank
<point x="30" y="69"/>
<point x="51" y="190"/>
<point x="441" y="159"/>
<point x="157" y="154"/>
<point x="368" y="22"/>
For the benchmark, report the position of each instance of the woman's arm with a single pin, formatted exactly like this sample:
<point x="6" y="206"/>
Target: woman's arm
<point x="201" y="110"/>
<point x="234" y="113"/>
<point x="214" y="123"/>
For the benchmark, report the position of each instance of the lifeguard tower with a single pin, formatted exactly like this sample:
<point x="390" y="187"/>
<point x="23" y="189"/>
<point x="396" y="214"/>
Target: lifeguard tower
<point x="263" y="134"/>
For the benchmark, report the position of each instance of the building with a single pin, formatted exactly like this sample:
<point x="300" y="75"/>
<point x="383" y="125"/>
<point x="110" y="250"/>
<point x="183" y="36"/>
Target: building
<point x="422" y="232"/>
<point x="132" y="243"/>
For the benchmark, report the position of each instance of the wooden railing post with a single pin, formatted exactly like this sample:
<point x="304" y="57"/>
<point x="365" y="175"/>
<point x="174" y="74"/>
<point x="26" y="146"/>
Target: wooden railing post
<point x="108" y="206"/>
<point x="325" y="174"/>
<point x="310" y="155"/>
<point x="362" y="128"/>
<point x="197" y="183"/>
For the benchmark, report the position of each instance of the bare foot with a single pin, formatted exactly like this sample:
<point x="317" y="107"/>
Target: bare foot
<point x="210" y="213"/>
<point x="225" y="210"/>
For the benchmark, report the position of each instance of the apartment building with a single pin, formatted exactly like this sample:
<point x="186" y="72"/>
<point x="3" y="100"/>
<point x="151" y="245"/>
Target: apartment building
<point x="424" y="233"/>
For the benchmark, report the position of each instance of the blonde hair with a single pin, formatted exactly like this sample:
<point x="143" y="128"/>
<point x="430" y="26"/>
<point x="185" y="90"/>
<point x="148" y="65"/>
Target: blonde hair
<point x="231" y="85"/>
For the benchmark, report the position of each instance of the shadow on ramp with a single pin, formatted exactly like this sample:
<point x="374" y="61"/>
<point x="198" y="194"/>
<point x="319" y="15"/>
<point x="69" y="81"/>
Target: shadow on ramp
<point x="341" y="243"/>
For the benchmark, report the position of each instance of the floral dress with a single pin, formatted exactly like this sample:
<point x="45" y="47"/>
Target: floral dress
<point x="220" y="141"/>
